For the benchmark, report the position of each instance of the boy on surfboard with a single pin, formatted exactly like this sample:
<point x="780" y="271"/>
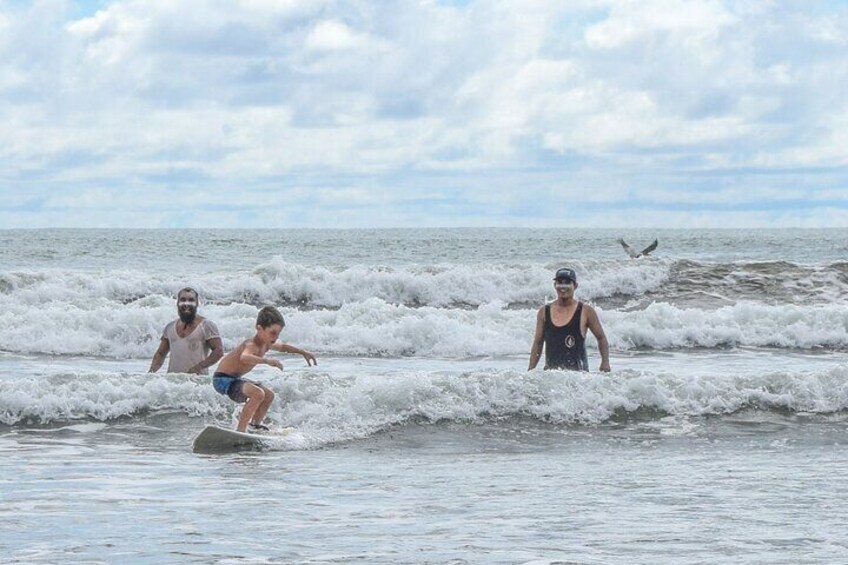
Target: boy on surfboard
<point x="228" y="379"/>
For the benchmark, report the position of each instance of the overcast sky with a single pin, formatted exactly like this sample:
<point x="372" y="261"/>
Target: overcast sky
<point x="314" y="113"/>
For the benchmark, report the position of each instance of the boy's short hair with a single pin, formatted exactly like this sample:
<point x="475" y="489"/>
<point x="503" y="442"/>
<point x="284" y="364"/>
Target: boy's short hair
<point x="269" y="316"/>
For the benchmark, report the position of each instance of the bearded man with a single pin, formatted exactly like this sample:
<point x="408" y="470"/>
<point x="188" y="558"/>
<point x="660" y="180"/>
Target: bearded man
<point x="193" y="341"/>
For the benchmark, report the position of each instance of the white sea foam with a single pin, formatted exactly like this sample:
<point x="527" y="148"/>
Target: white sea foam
<point x="325" y="408"/>
<point x="662" y="326"/>
<point x="282" y="282"/>
<point x="376" y="328"/>
<point x="103" y="396"/>
<point x="444" y="285"/>
<point x="449" y="310"/>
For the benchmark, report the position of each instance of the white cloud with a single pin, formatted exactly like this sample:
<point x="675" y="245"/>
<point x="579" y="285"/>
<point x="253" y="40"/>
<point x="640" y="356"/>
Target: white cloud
<point x="358" y="105"/>
<point x="692" y="23"/>
<point x="333" y="36"/>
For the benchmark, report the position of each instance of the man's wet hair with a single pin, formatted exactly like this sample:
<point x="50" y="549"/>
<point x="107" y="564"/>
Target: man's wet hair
<point x="269" y="316"/>
<point x="191" y="290"/>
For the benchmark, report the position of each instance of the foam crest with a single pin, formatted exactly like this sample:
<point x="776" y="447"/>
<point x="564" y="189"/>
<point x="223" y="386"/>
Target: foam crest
<point x="325" y="409"/>
<point x="331" y="409"/>
<point x="376" y="328"/>
<point x="103" y="396"/>
<point x="664" y="326"/>
<point x="282" y="282"/>
<point x="444" y="286"/>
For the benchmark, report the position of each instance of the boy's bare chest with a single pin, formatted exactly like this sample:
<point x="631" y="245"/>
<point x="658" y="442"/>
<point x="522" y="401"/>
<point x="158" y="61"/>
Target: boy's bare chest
<point x="254" y="349"/>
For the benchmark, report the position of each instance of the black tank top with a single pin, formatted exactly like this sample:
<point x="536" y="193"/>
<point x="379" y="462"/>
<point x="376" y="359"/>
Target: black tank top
<point x="565" y="346"/>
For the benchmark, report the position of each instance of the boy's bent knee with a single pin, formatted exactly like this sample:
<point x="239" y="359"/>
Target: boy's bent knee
<point x="254" y="392"/>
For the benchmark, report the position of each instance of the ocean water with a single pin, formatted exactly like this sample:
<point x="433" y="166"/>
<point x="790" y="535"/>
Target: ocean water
<point x="420" y="437"/>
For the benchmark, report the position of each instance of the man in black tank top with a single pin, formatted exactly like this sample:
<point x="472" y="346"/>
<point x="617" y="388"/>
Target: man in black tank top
<point x="561" y="329"/>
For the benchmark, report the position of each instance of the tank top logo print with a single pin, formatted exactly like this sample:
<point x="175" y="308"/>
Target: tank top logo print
<point x="569" y="341"/>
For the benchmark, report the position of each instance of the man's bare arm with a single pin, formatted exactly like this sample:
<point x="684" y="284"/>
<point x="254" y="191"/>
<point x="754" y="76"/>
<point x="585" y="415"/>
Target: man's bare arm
<point x="159" y="356"/>
<point x="597" y="330"/>
<point x="217" y="351"/>
<point x="538" y="340"/>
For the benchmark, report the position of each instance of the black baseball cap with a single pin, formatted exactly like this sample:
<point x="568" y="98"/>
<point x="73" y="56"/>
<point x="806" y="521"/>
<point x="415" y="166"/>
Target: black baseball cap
<point x="566" y="273"/>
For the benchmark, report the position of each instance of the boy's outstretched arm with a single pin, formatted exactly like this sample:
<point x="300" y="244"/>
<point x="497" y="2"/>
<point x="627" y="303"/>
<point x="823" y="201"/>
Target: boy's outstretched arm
<point x="250" y="358"/>
<point x="286" y="348"/>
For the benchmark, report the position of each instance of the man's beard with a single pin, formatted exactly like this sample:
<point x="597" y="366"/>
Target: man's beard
<point x="187" y="316"/>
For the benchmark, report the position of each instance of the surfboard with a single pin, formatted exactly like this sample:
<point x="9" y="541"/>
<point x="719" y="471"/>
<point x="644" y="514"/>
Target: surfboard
<point x="216" y="438"/>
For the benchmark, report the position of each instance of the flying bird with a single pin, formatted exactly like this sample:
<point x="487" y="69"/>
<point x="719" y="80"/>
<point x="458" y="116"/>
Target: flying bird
<point x="633" y="253"/>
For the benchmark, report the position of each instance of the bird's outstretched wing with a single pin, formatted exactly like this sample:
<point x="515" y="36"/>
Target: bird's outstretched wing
<point x="630" y="251"/>
<point x="650" y="248"/>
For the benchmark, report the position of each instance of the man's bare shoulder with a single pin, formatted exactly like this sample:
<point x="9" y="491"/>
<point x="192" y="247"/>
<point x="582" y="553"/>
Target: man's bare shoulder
<point x="207" y="322"/>
<point x="589" y="310"/>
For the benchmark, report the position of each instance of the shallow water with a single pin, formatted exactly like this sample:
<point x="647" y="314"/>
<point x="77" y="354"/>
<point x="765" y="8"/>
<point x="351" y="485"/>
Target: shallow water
<point x="487" y="484"/>
<point x="747" y="488"/>
<point x="719" y="437"/>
